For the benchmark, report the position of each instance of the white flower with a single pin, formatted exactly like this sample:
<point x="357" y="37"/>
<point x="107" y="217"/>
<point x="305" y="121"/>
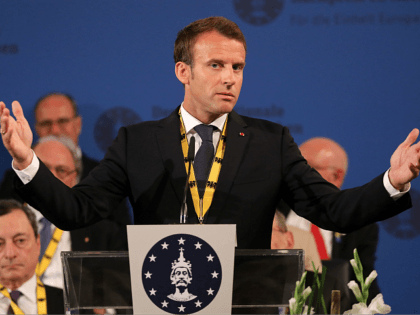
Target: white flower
<point x="306" y="293"/>
<point x="305" y="310"/>
<point x="371" y="277"/>
<point x="292" y="305"/>
<point x="356" y="290"/>
<point x="377" y="306"/>
<point x="354" y="264"/>
<point x="359" y="308"/>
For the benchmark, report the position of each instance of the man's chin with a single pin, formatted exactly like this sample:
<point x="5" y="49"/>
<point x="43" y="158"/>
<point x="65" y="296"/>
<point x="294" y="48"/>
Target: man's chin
<point x="181" y="284"/>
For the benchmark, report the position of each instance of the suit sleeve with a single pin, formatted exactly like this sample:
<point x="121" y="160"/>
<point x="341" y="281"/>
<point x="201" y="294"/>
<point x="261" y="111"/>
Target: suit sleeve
<point x="325" y="205"/>
<point x="92" y="200"/>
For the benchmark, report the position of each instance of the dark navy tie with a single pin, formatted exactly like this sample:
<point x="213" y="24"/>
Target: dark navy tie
<point x="45" y="235"/>
<point x="204" y="157"/>
<point x="14" y="295"/>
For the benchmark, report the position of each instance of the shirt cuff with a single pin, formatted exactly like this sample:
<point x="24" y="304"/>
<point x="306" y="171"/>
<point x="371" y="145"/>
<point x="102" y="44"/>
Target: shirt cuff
<point x="28" y="173"/>
<point x="394" y="193"/>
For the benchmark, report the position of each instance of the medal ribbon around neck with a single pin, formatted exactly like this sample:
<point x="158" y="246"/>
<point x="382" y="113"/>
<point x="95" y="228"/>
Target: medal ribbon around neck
<point x="49" y="252"/>
<point x="41" y="298"/>
<point x="214" y="172"/>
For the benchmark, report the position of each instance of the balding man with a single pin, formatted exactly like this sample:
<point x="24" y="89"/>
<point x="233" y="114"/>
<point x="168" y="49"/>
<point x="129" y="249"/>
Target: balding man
<point x="330" y="160"/>
<point x="59" y="155"/>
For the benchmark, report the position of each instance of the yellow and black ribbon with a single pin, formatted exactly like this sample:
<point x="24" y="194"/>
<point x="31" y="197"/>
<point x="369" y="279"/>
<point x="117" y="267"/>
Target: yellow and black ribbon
<point x="213" y="176"/>
<point x="49" y="252"/>
<point x="41" y="298"/>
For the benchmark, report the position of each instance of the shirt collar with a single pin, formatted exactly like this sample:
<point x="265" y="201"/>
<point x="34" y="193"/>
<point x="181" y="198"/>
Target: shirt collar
<point x="190" y="121"/>
<point x="28" y="289"/>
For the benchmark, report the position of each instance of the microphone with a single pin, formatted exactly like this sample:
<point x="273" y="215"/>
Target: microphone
<point x="190" y="159"/>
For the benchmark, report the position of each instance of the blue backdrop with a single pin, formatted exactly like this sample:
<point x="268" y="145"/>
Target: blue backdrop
<point x="344" y="69"/>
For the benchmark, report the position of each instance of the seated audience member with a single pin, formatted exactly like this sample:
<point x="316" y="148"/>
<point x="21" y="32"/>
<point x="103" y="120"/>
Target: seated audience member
<point x="58" y="154"/>
<point x="57" y="114"/>
<point x="283" y="238"/>
<point x="330" y="160"/>
<point x="19" y="251"/>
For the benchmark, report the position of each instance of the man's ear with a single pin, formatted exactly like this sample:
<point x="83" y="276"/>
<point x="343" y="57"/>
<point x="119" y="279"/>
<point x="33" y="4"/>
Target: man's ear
<point x="183" y="72"/>
<point x="339" y="177"/>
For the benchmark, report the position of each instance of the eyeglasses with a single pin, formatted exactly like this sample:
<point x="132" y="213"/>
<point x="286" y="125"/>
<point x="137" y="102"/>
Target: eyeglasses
<point x="62" y="123"/>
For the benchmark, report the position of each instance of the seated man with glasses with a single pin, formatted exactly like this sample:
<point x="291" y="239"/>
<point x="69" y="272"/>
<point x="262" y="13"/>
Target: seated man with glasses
<point x="59" y="155"/>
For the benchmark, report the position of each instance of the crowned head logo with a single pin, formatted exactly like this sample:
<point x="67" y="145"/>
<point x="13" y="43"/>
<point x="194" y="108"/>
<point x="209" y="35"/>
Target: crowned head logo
<point x="181" y="277"/>
<point x="406" y="225"/>
<point x="258" y="12"/>
<point x="167" y="274"/>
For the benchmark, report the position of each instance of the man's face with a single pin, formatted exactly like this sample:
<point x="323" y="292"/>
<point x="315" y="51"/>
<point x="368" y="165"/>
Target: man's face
<point x="19" y="249"/>
<point x="213" y="84"/>
<point x="55" y="116"/>
<point x="59" y="161"/>
<point x="181" y="277"/>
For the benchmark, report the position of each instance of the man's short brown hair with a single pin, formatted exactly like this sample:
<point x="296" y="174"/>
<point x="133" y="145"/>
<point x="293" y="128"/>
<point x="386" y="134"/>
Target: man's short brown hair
<point x="8" y="205"/>
<point x="187" y="37"/>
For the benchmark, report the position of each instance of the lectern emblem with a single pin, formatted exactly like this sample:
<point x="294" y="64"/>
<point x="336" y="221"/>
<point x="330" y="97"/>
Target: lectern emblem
<point x="181" y="274"/>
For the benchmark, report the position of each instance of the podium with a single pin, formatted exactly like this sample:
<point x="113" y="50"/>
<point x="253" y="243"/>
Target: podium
<point x="264" y="281"/>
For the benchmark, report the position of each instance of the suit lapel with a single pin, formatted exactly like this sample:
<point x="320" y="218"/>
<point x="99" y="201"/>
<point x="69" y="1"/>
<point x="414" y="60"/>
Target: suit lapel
<point x="236" y="142"/>
<point x="169" y="140"/>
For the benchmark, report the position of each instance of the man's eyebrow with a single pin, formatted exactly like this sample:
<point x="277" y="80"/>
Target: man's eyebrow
<point x="216" y="61"/>
<point x="19" y="234"/>
<point x="240" y="64"/>
<point x="220" y="61"/>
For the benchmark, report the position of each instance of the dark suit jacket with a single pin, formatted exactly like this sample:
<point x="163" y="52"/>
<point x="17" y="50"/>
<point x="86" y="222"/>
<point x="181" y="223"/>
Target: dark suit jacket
<point x="55" y="300"/>
<point x="105" y="235"/>
<point x="262" y="165"/>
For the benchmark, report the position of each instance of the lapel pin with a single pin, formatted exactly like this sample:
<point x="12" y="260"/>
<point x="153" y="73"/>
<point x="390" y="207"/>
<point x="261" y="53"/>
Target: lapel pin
<point x="242" y="134"/>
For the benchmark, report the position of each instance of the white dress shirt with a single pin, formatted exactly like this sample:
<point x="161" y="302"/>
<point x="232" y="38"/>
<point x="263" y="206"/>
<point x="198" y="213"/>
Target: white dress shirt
<point x="27" y="300"/>
<point x="190" y="122"/>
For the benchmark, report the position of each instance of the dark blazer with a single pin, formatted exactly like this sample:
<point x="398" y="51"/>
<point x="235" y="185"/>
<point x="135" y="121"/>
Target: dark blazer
<point x="105" y="235"/>
<point x="262" y="164"/>
<point x="55" y="300"/>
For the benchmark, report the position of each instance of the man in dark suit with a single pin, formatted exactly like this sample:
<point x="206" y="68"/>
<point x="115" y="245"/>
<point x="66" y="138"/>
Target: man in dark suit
<point x="19" y="251"/>
<point x="256" y="163"/>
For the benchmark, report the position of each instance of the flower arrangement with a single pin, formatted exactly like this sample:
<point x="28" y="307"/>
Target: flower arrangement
<point x="377" y="306"/>
<point x="297" y="303"/>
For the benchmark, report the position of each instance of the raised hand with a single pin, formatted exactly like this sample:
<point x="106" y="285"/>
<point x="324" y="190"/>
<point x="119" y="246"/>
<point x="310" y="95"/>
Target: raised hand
<point x="405" y="162"/>
<point x="16" y="135"/>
